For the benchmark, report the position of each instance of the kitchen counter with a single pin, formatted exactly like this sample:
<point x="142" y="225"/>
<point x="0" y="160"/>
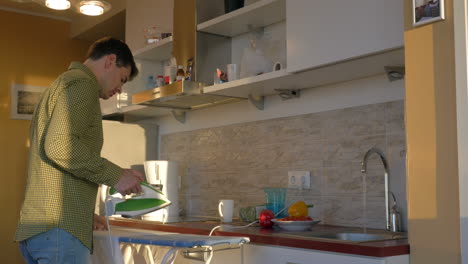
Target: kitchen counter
<point x="278" y="237"/>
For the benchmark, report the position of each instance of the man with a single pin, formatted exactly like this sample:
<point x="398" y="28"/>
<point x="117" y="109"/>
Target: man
<point x="65" y="165"/>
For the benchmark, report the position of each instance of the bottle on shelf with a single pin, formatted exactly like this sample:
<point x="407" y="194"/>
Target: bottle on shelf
<point x="188" y="70"/>
<point x="160" y="81"/>
<point x="149" y="82"/>
<point x="169" y="74"/>
<point x="180" y="75"/>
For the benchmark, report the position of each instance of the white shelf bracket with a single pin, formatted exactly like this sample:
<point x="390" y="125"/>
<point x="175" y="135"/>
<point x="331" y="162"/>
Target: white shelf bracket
<point x="287" y="94"/>
<point x="257" y="101"/>
<point x="179" y="116"/>
<point x="395" y="72"/>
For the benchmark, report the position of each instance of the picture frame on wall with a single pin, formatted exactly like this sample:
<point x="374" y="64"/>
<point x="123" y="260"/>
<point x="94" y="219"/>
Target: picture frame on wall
<point x="427" y="11"/>
<point x="23" y="100"/>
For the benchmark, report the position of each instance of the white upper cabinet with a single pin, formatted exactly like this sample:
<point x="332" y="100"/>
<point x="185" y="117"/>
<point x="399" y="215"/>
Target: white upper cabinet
<point x="323" y="32"/>
<point x="258" y="14"/>
<point x="317" y="42"/>
<point x="326" y="41"/>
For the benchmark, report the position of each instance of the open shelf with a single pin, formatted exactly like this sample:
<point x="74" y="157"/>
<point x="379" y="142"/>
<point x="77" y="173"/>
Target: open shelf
<point x="159" y="51"/>
<point x="265" y="84"/>
<point x="258" y="14"/>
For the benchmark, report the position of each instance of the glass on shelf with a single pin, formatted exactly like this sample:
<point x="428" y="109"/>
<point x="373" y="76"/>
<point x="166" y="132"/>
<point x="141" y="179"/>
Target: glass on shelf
<point x="123" y="100"/>
<point x="151" y="34"/>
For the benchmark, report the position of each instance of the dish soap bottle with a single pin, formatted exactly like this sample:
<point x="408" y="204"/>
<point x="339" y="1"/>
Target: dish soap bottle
<point x="180" y="75"/>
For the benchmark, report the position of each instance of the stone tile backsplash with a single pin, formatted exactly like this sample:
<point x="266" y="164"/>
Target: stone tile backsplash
<point x="238" y="161"/>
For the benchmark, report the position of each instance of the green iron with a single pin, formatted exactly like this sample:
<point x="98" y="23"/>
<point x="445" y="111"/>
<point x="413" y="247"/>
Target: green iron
<point x="150" y="200"/>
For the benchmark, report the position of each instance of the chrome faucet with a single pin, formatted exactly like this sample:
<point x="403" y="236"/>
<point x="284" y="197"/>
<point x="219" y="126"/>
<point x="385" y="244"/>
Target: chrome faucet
<point x="364" y="169"/>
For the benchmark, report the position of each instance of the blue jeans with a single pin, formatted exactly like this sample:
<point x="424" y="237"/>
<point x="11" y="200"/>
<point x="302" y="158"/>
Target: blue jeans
<point x="53" y="247"/>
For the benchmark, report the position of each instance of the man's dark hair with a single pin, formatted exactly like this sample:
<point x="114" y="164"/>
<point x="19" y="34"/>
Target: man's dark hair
<point x="109" y="45"/>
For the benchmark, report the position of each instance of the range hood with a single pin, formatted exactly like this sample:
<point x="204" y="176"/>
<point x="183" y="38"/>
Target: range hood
<point x="182" y="95"/>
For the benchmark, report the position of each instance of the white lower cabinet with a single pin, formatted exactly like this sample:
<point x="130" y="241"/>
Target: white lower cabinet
<point x="258" y="254"/>
<point x="249" y="254"/>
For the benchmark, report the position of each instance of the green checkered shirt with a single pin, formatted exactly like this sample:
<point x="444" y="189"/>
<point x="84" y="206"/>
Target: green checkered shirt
<point x="65" y="163"/>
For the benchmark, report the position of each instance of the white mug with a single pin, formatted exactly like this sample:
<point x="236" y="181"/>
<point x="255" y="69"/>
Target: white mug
<point x="225" y="209"/>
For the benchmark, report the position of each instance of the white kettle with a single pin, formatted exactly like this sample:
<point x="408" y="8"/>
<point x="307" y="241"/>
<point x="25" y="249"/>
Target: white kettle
<point x="165" y="173"/>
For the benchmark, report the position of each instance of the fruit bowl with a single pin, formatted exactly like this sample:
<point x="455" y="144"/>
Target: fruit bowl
<point x="295" y="225"/>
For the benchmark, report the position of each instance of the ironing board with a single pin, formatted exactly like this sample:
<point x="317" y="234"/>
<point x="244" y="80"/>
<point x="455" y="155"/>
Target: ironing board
<point x="197" y="245"/>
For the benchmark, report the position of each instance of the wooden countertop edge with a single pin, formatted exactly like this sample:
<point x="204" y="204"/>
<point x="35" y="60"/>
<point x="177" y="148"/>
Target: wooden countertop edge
<point x="363" y="249"/>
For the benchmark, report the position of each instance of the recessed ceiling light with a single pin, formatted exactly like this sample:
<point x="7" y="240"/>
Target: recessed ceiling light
<point x="58" y="4"/>
<point x="94" y="8"/>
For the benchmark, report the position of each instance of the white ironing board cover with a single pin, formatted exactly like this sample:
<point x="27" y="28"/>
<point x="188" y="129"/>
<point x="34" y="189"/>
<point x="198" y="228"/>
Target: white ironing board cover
<point x="159" y="238"/>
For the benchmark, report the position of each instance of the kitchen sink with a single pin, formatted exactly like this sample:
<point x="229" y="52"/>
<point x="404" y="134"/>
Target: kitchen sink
<point x="354" y="236"/>
<point x="358" y="237"/>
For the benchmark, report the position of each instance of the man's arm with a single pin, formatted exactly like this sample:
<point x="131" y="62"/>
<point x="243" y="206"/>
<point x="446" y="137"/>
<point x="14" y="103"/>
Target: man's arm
<point x="100" y="223"/>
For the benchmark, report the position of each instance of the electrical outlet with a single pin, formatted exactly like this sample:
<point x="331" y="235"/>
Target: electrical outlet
<point x="293" y="181"/>
<point x="298" y="179"/>
<point x="305" y="180"/>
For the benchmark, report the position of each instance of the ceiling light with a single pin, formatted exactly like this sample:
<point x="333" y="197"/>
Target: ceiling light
<point x="58" y="4"/>
<point x="94" y="8"/>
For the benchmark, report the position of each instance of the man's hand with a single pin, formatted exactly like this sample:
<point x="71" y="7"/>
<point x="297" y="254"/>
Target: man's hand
<point x="129" y="182"/>
<point x="99" y="223"/>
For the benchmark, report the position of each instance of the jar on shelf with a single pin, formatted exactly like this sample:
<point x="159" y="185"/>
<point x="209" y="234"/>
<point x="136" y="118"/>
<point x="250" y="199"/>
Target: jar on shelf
<point x="160" y="81"/>
<point x="180" y="75"/>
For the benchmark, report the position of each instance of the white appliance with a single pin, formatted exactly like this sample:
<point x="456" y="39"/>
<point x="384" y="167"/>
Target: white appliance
<point x="164" y="173"/>
<point x="127" y="145"/>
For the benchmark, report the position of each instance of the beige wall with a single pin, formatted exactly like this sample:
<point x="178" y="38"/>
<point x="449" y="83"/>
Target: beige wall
<point x="433" y="200"/>
<point x="33" y="50"/>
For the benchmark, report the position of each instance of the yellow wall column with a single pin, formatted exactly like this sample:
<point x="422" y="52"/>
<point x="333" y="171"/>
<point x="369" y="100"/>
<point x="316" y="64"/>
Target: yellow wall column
<point x="431" y="130"/>
<point x="33" y="50"/>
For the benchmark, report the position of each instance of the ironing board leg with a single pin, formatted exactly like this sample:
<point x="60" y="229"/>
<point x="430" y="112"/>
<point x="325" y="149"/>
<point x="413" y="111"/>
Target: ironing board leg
<point x="170" y="256"/>
<point x="210" y="256"/>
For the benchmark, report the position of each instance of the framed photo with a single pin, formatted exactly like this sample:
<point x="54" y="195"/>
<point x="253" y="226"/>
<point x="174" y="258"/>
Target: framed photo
<point x="24" y="99"/>
<point x="427" y="11"/>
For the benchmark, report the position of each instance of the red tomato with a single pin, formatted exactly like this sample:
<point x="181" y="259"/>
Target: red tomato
<point x="265" y="218"/>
